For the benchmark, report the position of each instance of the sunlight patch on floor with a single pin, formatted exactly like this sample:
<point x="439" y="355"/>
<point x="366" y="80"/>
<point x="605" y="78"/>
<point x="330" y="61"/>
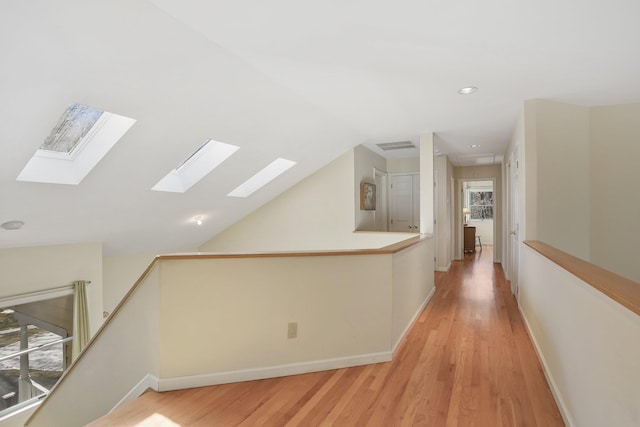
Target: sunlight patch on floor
<point x="157" y="420"/>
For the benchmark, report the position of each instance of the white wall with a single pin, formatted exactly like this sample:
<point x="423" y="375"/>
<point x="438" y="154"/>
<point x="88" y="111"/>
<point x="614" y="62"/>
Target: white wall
<point x="426" y="183"/>
<point x="579" y="167"/>
<point x="615" y="174"/>
<point x="311" y="215"/>
<point x="587" y="342"/>
<point x="39" y="268"/>
<point x="365" y="161"/>
<point x="444" y="170"/>
<point x="404" y="165"/>
<point x="563" y="208"/>
<point x="342" y="306"/>
<point x="350" y="310"/>
<point x="120" y="273"/>
<point x="484" y="229"/>
<point x="413" y="283"/>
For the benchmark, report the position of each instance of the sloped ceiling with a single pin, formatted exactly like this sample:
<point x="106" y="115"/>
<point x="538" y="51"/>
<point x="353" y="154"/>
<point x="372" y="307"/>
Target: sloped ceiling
<point x="301" y="80"/>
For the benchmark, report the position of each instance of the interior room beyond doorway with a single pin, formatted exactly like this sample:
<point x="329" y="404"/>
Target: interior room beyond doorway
<point x="479" y="210"/>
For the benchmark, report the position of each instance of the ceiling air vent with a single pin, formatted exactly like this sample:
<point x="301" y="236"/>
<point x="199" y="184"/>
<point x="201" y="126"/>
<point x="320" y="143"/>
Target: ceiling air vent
<point x="400" y="145"/>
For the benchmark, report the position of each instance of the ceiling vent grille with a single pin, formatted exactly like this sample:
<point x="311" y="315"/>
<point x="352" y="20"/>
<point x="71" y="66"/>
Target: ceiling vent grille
<point x="400" y="145"/>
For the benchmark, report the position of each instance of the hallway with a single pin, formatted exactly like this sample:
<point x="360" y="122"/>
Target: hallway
<point x="467" y="361"/>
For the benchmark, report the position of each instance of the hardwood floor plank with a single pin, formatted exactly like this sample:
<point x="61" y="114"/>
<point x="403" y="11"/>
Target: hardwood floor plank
<point x="467" y="361"/>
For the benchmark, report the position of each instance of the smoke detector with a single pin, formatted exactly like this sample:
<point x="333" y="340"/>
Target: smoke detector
<point x="13" y="225"/>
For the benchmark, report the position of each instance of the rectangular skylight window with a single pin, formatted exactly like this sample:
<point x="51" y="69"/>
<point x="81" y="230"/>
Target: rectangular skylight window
<point x="202" y="161"/>
<point x="80" y="139"/>
<point x="262" y="178"/>
<point x="74" y="124"/>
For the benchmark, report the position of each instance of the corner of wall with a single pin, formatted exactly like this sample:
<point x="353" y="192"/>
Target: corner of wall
<point x="302" y="208"/>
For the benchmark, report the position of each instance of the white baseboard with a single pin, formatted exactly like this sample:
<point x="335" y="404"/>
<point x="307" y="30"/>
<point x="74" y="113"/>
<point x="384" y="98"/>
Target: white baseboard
<point x="444" y="269"/>
<point x="566" y="416"/>
<point x="177" y="383"/>
<point x="147" y="382"/>
<point x="413" y="320"/>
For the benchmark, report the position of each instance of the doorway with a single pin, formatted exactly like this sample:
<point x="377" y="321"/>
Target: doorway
<point x="478" y="206"/>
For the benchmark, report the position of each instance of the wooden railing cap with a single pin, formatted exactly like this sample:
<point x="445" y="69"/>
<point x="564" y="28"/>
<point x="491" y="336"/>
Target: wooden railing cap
<point x="624" y="291"/>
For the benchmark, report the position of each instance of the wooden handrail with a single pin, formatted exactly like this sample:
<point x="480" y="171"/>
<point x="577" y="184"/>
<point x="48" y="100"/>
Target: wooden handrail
<point x="624" y="291"/>
<point x="390" y="249"/>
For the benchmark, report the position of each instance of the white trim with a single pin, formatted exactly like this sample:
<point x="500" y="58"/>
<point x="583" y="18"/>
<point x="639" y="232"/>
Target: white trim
<point x="444" y="269"/>
<point x="566" y="416"/>
<point x="30" y="407"/>
<point x="203" y="380"/>
<point x="147" y="382"/>
<point x="413" y="320"/>
<point x="36" y="296"/>
<point x="459" y="223"/>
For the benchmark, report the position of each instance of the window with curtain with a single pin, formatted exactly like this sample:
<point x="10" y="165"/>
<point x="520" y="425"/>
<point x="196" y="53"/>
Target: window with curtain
<point x="42" y="328"/>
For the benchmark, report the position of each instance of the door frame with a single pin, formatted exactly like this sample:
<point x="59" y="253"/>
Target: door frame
<point x="458" y="218"/>
<point x="383" y="198"/>
<point x="513" y="226"/>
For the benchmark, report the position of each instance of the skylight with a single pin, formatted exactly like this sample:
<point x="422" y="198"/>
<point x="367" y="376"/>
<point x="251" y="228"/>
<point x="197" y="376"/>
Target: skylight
<point x="80" y="139"/>
<point x="202" y="161"/>
<point x="74" y="124"/>
<point x="262" y="178"/>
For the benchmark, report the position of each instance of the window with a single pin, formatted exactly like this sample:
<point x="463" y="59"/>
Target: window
<point x="34" y="350"/>
<point x="80" y="139"/>
<point x="481" y="204"/>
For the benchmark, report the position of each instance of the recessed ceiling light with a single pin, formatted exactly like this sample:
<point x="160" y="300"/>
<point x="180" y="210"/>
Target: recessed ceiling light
<point x="80" y="139"/>
<point x="467" y="90"/>
<point x="198" y="220"/>
<point x="202" y="161"/>
<point x="474" y="145"/>
<point x="13" y="225"/>
<point x="262" y="178"/>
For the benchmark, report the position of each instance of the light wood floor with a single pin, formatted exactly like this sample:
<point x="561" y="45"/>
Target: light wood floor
<point x="467" y="361"/>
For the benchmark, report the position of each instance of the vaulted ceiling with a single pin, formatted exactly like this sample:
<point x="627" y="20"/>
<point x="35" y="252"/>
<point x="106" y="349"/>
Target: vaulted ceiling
<point x="305" y="81"/>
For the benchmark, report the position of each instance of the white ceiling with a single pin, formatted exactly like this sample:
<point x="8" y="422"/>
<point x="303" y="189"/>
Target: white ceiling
<point x="301" y="80"/>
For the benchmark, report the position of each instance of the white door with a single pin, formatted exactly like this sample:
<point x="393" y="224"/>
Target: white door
<point x="416" y="203"/>
<point x="506" y="236"/>
<point x="405" y="203"/>
<point x="381" y="201"/>
<point x="436" y="207"/>
<point x="452" y="220"/>
<point x="514" y="225"/>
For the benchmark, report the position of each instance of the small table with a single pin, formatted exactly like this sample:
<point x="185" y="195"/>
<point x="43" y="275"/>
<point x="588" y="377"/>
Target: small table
<point x="469" y="239"/>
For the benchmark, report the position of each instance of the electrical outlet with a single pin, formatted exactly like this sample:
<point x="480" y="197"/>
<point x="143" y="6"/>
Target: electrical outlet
<point x="292" y="330"/>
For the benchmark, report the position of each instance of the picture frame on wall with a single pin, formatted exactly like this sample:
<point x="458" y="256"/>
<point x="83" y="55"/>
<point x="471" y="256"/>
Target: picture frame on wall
<point x="367" y="196"/>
